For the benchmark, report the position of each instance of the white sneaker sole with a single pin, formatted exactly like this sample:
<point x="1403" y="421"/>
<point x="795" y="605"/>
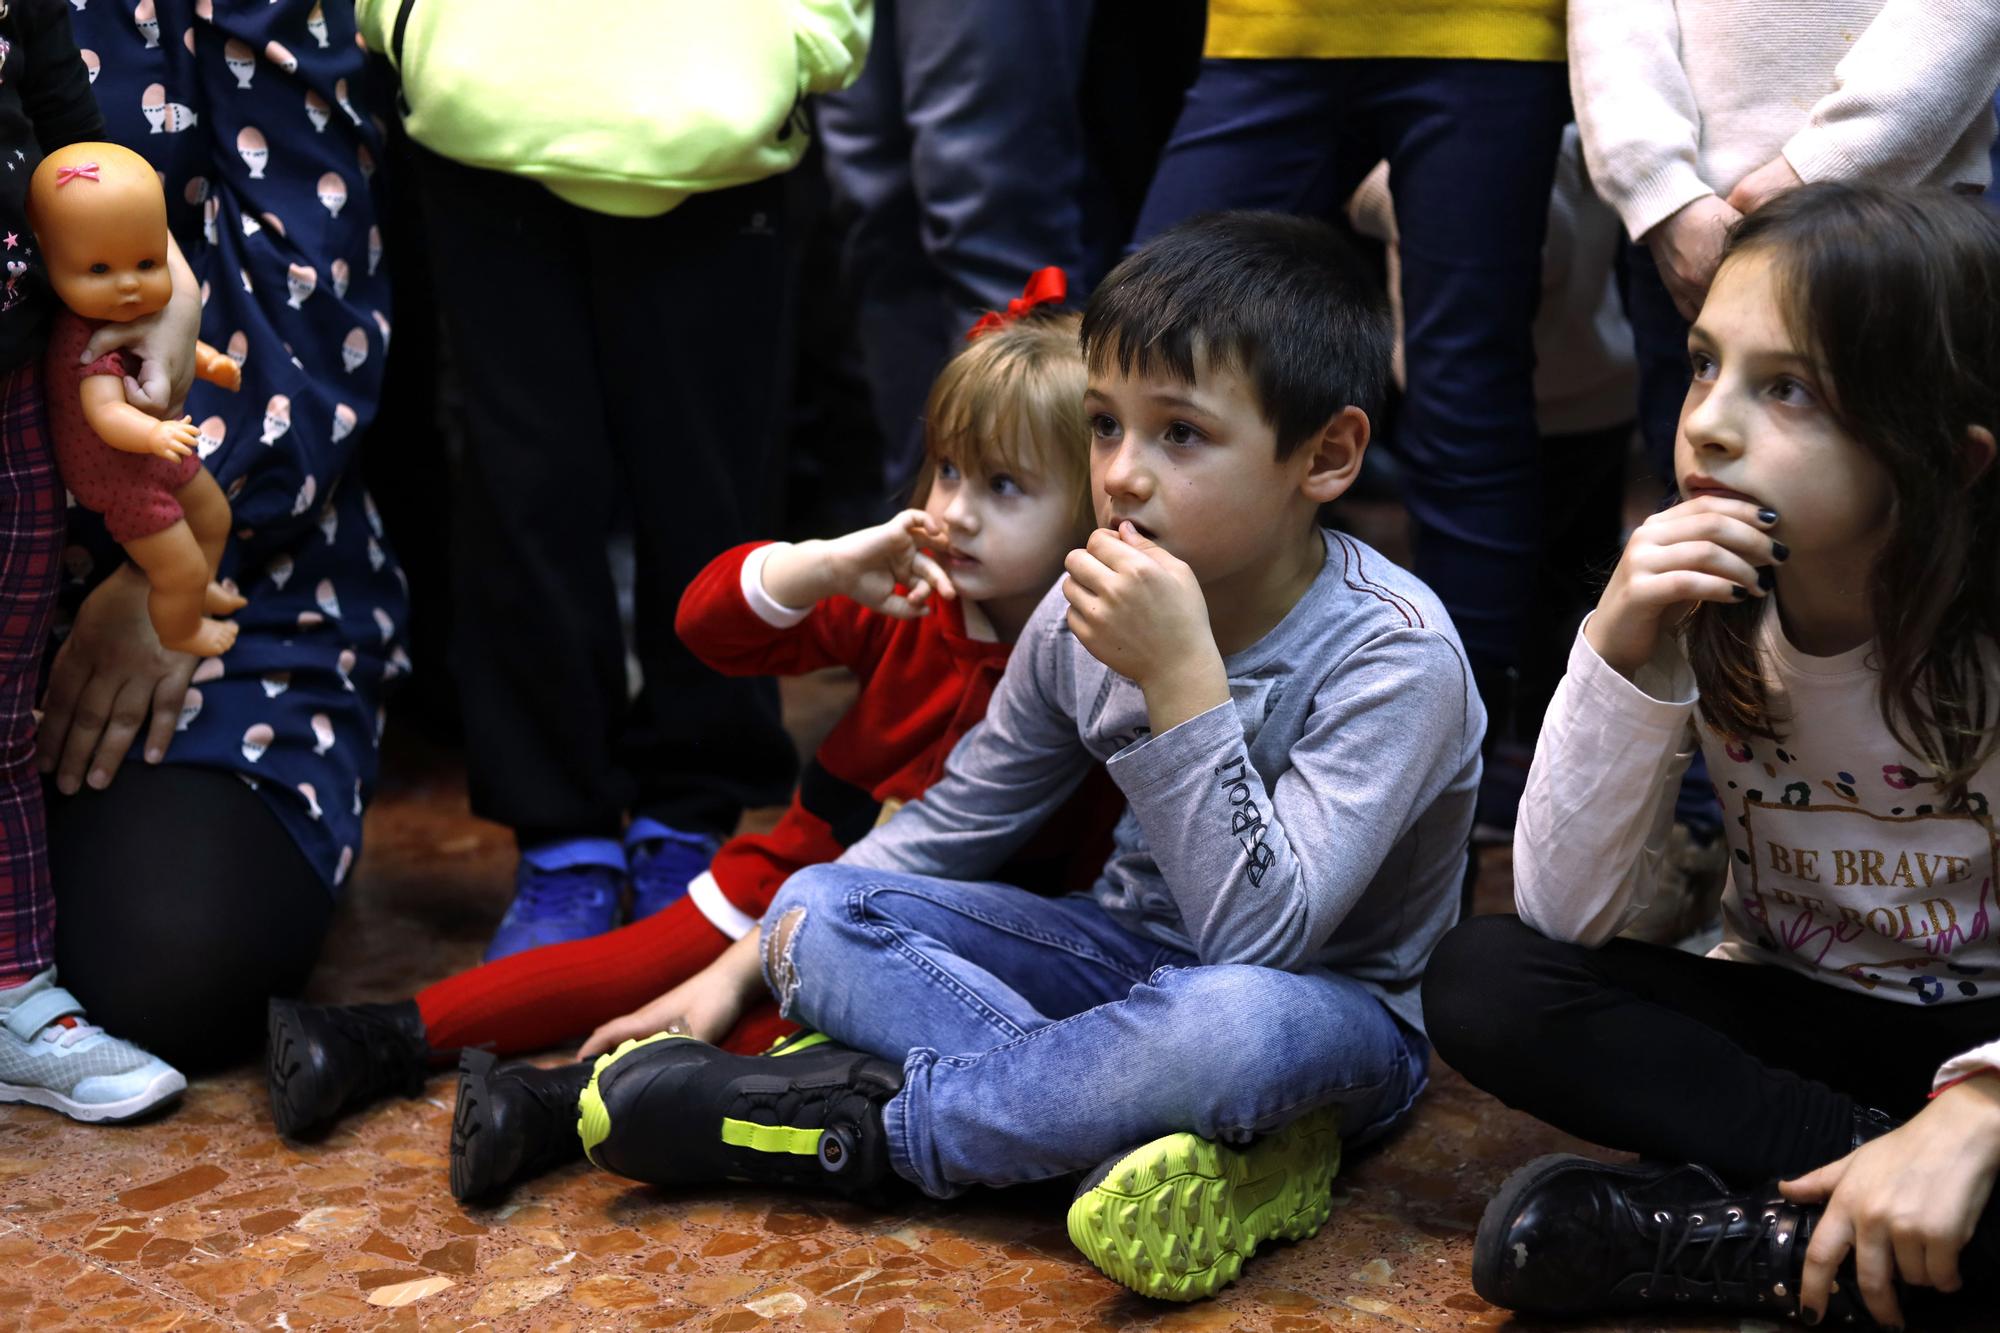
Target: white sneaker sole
<point x="164" y="1088"/>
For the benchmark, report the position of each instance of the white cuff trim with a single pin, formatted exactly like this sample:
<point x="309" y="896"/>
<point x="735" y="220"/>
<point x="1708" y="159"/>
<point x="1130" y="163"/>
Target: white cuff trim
<point x="1978" y="1060"/>
<point x="724" y="915"/>
<point x="767" y="608"/>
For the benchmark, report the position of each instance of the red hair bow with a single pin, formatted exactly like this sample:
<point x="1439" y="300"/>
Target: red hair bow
<point x="86" y="172"/>
<point x="1048" y="286"/>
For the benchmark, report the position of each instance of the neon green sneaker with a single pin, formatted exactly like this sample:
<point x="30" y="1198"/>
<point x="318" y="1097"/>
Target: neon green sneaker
<point x="1176" y="1218"/>
<point x="670" y="1110"/>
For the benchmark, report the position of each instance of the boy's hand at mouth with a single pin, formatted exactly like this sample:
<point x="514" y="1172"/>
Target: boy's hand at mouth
<point x="1137" y="608"/>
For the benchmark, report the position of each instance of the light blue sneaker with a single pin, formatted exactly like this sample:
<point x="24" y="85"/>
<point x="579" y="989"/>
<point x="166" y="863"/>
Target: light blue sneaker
<point x="663" y="861"/>
<point x="49" y="1056"/>
<point x="562" y="892"/>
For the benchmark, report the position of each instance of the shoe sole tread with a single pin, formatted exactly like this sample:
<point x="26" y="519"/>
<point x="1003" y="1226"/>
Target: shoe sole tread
<point x="1169" y="1220"/>
<point x="283" y="1074"/>
<point x="472" y="1167"/>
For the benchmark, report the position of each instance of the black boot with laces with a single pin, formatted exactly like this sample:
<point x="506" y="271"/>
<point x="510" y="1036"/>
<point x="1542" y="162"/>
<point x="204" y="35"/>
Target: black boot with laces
<point x="322" y="1061"/>
<point x="512" y="1121"/>
<point x="1567" y="1235"/>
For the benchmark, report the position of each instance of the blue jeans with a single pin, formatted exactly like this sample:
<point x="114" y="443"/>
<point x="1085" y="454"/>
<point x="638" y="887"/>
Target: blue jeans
<point x="1471" y="146"/>
<point x="960" y="153"/>
<point x="1039" y="1037"/>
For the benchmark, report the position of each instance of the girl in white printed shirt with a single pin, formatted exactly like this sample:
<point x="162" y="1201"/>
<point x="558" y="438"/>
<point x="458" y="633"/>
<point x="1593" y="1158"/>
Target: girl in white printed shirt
<point x="1817" y="1102"/>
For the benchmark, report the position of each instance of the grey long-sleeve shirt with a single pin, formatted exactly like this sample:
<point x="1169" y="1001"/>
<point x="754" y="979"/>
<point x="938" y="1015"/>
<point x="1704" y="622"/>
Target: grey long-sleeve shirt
<point x="1319" y="818"/>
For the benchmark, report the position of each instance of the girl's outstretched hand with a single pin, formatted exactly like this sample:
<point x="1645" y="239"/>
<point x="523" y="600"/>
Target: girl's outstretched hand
<point x="1905" y="1203"/>
<point x="1708" y="549"/>
<point x="867" y="565"/>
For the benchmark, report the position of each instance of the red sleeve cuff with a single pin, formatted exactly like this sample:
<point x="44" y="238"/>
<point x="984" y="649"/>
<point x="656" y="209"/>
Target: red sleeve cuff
<point x="1965" y="1078"/>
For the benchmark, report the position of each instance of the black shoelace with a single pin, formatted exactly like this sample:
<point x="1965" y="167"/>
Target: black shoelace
<point x="556" y="1090"/>
<point x="388" y="1062"/>
<point x="1690" y="1265"/>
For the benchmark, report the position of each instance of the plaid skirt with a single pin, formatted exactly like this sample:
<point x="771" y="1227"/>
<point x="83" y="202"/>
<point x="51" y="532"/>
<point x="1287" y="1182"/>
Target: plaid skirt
<point x="31" y="542"/>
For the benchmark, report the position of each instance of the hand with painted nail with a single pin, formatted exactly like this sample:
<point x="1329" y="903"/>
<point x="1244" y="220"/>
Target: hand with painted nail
<point x="1712" y="548"/>
<point x="1904" y="1204"/>
<point x="888" y="567"/>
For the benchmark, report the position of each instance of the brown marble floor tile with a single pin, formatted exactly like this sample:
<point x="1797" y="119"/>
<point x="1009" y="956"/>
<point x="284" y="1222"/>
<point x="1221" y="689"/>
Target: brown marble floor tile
<point x="206" y="1220"/>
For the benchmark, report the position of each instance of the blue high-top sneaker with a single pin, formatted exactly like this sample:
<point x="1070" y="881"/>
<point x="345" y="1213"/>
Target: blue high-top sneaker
<point x="661" y="862"/>
<point x="562" y="891"/>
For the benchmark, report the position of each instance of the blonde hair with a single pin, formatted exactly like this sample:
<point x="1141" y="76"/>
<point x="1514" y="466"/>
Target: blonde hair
<point x="1012" y="401"/>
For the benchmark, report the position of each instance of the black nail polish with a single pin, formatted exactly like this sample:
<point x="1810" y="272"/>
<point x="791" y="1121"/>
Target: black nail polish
<point x="1766" y="578"/>
<point x="1780" y="551"/>
<point x="1738" y="591"/>
<point x="1810" y="1316"/>
<point x="1767" y="516"/>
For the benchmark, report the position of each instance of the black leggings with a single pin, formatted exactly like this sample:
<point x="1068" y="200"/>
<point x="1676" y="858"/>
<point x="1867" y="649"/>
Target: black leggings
<point x="1751" y="1070"/>
<point x="181" y="906"/>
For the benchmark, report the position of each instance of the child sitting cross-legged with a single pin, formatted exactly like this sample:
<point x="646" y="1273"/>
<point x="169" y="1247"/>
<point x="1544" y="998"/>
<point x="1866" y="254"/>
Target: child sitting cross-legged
<point x="1292" y="722"/>
<point x="1816" y="1103"/>
<point x="923" y="609"/>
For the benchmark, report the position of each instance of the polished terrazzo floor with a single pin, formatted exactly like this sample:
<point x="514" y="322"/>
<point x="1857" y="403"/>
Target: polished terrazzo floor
<point x="206" y="1220"/>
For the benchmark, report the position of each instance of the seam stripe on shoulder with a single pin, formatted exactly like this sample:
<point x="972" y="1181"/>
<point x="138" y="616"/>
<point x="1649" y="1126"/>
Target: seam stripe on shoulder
<point x="1350" y="560"/>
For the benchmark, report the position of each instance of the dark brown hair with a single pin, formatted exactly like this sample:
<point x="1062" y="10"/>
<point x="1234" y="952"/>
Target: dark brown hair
<point x="1894" y="295"/>
<point x="1285" y="300"/>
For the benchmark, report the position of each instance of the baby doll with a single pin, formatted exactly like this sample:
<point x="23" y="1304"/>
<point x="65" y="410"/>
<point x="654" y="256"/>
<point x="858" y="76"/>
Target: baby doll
<point x="101" y="219"/>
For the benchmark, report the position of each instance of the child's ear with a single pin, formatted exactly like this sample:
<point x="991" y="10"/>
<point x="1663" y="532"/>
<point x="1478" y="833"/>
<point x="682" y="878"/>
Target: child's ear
<point x="1978" y="452"/>
<point x="1334" y="456"/>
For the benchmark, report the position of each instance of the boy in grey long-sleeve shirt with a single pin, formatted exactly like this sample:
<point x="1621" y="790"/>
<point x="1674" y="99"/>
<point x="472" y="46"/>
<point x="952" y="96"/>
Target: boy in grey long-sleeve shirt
<point x="1294" y="726"/>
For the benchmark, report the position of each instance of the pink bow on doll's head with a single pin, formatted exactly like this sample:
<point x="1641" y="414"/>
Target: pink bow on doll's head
<point x="1048" y="286"/>
<point x="86" y="172"/>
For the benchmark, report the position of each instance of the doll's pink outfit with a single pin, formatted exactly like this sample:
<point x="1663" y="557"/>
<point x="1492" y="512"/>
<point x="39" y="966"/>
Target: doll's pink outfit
<point x="134" y="492"/>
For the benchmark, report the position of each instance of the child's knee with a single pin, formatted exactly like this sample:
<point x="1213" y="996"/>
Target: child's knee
<point x="781" y="972"/>
<point x="808" y="888"/>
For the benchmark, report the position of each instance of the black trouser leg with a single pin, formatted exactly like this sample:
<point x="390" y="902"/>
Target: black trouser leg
<point x="695" y="349"/>
<point x="603" y="357"/>
<point x="182" y="906"/>
<point x="1749" y="1069"/>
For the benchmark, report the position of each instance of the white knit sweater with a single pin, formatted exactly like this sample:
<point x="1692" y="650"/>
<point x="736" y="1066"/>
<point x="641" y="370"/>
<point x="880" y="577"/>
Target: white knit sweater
<point x="1677" y="99"/>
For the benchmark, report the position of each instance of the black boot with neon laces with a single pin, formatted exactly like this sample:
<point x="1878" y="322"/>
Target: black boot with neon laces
<point x="670" y="1110"/>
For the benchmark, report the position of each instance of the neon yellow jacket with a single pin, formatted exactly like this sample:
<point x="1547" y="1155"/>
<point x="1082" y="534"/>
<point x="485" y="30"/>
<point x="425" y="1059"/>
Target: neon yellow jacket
<point x="1331" y="29"/>
<point x="621" y="106"/>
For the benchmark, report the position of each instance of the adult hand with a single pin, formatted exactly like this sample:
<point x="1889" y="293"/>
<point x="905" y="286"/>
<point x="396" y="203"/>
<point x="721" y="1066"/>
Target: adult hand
<point x="1763" y="185"/>
<point x="1905" y="1203"/>
<point x="108" y="674"/>
<point x="1707" y="549"/>
<point x="1687" y="248"/>
<point x="163" y="341"/>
